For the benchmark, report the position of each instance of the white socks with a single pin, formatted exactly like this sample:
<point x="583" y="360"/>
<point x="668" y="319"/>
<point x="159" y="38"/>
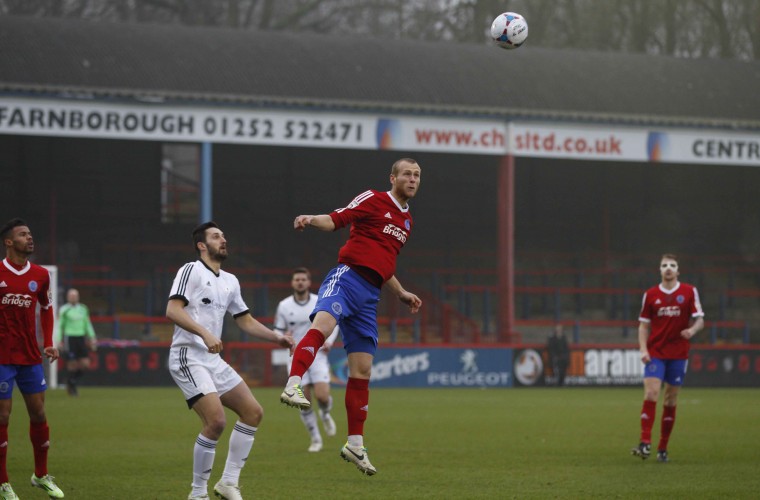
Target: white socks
<point x="326" y="407"/>
<point x="356" y="440"/>
<point x="309" y="420"/>
<point x="295" y="379"/>
<point x="203" y="461"/>
<point x="241" y="441"/>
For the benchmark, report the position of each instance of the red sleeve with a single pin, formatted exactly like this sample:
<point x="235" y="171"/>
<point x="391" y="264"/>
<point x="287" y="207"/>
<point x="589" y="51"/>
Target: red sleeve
<point x="47" y="318"/>
<point x="696" y="305"/>
<point x="46" y="322"/>
<point x="359" y="207"/>
<point x="645" y="312"/>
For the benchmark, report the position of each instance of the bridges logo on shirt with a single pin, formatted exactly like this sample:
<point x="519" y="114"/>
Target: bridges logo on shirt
<point x="669" y="311"/>
<point x="16" y="299"/>
<point x="396" y="232"/>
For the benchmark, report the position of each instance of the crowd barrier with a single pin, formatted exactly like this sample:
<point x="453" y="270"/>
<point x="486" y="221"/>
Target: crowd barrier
<point x="122" y="363"/>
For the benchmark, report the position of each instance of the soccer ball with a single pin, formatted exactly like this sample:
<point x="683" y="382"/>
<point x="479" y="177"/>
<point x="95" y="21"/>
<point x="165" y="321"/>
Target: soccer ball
<point x="509" y="30"/>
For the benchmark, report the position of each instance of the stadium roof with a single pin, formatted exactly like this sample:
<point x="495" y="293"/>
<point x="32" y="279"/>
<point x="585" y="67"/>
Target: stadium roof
<point x="74" y="58"/>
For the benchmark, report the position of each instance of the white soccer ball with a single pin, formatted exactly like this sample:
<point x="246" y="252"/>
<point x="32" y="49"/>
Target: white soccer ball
<point x="509" y="30"/>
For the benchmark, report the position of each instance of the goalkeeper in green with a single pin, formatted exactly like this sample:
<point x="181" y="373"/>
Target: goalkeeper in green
<point x="76" y="337"/>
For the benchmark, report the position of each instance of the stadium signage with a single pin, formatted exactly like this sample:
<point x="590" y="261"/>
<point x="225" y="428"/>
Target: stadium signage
<point x="433" y="367"/>
<point x="591" y="142"/>
<point x="93" y="119"/>
<point x="401" y="365"/>
<point x="130" y="364"/>
<point x="610" y="367"/>
<point x="724" y="367"/>
<point x="278" y="127"/>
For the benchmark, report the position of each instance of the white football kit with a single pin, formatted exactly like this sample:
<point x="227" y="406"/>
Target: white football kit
<point x="293" y="316"/>
<point x="207" y="297"/>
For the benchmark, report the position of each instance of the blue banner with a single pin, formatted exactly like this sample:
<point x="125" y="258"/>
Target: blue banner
<point x="432" y="367"/>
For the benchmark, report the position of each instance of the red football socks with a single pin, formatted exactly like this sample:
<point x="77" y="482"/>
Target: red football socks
<point x="306" y="351"/>
<point x="40" y="436"/>
<point x="647" y="420"/>
<point x="666" y="426"/>
<point x="357" y="405"/>
<point x="3" y="453"/>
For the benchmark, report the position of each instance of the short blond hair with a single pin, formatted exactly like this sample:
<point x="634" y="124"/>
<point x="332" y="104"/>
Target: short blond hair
<point x="397" y="165"/>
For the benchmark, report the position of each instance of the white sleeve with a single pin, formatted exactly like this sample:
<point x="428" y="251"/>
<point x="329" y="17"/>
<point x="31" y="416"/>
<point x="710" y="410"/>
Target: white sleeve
<point x="280" y="323"/>
<point x="237" y="306"/>
<point x="183" y="283"/>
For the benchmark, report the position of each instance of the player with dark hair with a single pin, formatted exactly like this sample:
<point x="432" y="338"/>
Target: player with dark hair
<point x="23" y="285"/>
<point x="671" y="314"/>
<point x="201" y="295"/>
<point x="292" y="316"/>
<point x="380" y="226"/>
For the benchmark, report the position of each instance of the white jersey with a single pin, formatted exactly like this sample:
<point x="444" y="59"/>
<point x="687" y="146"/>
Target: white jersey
<point x="208" y="297"/>
<point x="293" y="316"/>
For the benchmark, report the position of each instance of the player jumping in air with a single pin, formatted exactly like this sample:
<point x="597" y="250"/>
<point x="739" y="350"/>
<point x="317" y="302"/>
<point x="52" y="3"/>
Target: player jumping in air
<point x="380" y="226"/>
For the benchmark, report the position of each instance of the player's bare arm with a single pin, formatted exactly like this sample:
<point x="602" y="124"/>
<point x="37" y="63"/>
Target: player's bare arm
<point x="644" y="329"/>
<point x="695" y="327"/>
<point x="407" y="298"/>
<point x="322" y="222"/>
<point x="175" y="312"/>
<point x="255" y="328"/>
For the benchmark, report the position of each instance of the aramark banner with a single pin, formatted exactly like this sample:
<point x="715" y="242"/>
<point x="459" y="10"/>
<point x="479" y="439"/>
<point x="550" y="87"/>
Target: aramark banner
<point x="277" y="127"/>
<point x="609" y="366"/>
<point x="433" y="367"/>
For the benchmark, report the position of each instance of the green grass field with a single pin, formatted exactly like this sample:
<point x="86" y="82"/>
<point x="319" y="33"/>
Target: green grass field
<point x="438" y="443"/>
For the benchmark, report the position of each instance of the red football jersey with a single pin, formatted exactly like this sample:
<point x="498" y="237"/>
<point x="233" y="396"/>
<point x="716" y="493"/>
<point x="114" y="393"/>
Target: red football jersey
<point x="379" y="228"/>
<point x="20" y="292"/>
<point x="669" y="312"/>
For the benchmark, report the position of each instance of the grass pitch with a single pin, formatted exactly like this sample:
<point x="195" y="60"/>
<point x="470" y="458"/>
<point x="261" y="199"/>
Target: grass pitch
<point x="124" y="443"/>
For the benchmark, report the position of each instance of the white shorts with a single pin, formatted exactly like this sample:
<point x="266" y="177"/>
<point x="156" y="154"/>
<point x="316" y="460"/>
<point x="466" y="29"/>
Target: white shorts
<point x="198" y="373"/>
<point x="319" y="371"/>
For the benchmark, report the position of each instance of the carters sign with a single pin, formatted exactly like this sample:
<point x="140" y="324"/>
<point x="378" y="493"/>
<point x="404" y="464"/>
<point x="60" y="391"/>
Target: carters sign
<point x="433" y="367"/>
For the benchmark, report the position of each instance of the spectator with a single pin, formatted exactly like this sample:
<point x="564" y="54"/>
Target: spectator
<point x="559" y="354"/>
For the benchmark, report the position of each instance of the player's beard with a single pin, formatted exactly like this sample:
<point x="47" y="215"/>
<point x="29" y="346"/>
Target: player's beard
<point x="217" y="255"/>
<point x="26" y="249"/>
